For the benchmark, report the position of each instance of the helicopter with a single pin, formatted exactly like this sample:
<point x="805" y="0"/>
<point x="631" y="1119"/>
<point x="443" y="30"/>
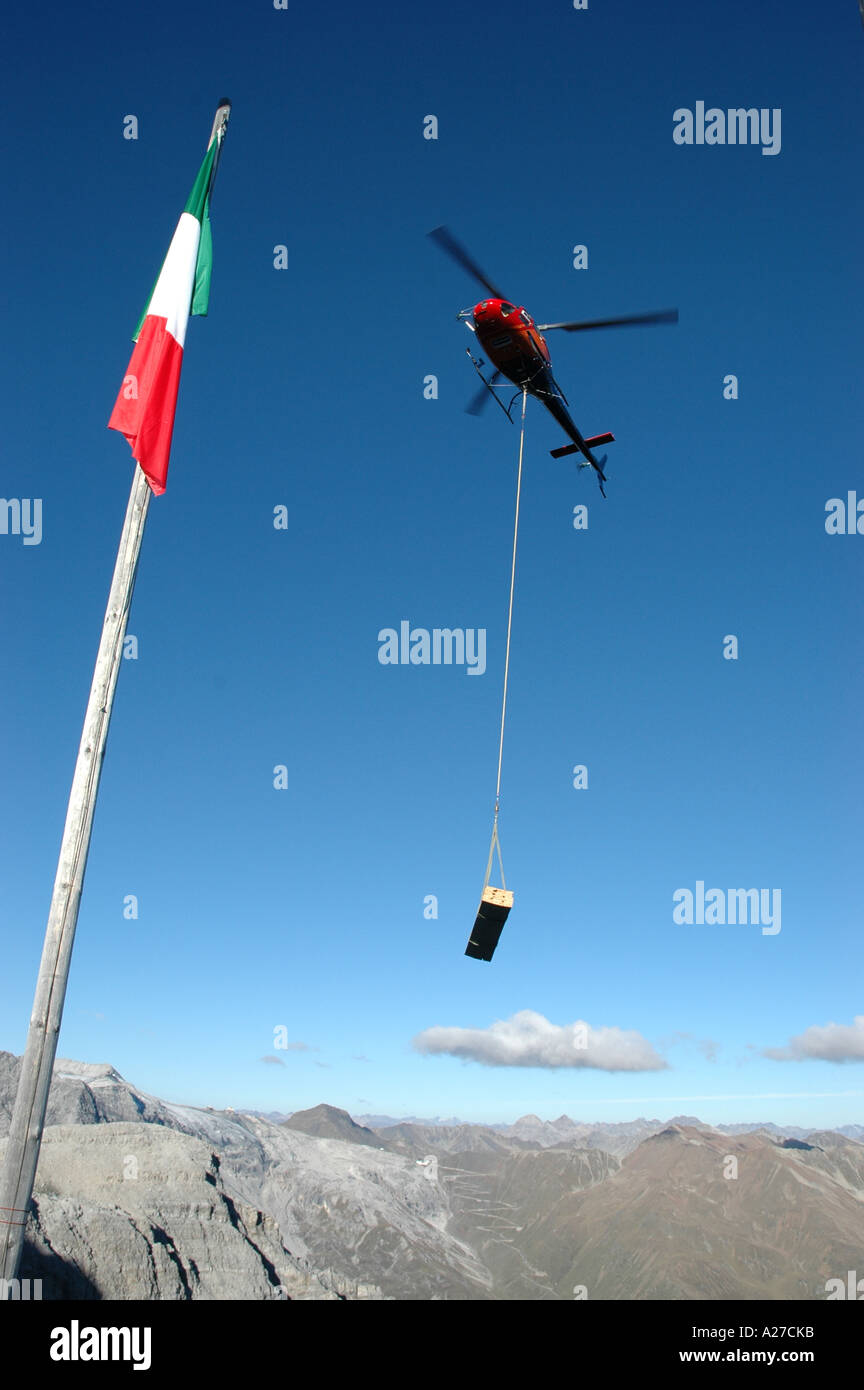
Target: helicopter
<point x="516" y="347"/>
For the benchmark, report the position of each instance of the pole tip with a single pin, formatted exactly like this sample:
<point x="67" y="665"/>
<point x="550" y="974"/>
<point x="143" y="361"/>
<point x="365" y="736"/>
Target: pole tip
<point x="220" y="120"/>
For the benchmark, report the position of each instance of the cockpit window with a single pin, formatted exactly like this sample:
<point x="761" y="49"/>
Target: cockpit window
<point x="526" y="318"/>
<point x="507" y="308"/>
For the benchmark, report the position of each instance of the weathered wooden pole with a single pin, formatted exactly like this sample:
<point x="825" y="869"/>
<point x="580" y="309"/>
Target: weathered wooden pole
<point x="31" y="1102"/>
<point x="146" y="418"/>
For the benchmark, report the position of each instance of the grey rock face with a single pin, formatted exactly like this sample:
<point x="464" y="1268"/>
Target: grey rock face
<point x="82" y="1093"/>
<point x="359" y="1222"/>
<point x="141" y="1198"/>
<point x="378" y="1216"/>
<point x="136" y="1211"/>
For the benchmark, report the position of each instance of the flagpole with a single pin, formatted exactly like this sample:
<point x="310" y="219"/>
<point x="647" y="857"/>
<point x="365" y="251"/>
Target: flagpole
<point x="31" y="1102"/>
<point x="34" y="1083"/>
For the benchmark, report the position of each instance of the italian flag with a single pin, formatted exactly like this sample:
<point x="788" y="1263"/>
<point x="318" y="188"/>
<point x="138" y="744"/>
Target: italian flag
<point x="144" y="409"/>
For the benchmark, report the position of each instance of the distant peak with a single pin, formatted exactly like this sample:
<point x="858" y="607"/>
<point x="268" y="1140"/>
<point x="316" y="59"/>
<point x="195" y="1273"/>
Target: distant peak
<point x="329" y="1122"/>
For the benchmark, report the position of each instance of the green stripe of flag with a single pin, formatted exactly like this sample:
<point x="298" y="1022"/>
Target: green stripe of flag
<point x="198" y="206"/>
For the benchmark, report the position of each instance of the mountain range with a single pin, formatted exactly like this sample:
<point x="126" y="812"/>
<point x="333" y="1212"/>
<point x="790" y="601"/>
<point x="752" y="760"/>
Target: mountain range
<point x="139" y="1198"/>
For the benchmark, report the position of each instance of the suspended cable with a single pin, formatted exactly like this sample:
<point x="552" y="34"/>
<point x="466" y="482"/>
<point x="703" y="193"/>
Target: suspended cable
<point x="495" y="903"/>
<point x="495" y="842"/>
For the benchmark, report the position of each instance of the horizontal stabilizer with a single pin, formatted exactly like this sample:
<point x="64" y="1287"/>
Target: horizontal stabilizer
<point x="492" y="913"/>
<point x="592" y="443"/>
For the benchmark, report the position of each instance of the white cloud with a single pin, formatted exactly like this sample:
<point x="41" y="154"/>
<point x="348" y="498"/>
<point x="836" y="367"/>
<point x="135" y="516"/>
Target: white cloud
<point x="833" y="1042"/>
<point x="530" y="1040"/>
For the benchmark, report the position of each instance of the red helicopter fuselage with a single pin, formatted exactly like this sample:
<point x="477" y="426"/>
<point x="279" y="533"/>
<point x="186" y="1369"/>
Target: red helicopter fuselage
<point x="508" y="334"/>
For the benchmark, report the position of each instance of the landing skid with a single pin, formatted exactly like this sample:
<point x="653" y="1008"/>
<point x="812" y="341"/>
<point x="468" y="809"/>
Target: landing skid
<point x="477" y="364"/>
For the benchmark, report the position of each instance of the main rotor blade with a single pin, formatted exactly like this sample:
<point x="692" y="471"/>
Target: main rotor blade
<point x="480" y="398"/>
<point x="456" y="250"/>
<point x="661" y="316"/>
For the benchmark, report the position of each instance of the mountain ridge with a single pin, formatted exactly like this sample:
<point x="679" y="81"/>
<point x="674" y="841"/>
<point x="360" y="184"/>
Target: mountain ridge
<point x="142" y="1198"/>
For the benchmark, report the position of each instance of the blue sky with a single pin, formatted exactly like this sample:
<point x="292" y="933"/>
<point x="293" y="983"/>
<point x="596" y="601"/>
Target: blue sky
<point x="303" y="908"/>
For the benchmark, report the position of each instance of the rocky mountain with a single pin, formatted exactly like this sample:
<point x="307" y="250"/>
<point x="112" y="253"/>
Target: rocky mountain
<point x="378" y="1122"/>
<point x="500" y="1201"/>
<point x="420" y="1140"/>
<point x="142" y="1198"/>
<point x="326" y="1122"/>
<point x="675" y="1219"/>
<point x="83" y="1093"/>
<point x="617" y="1139"/>
<point x="358" y="1221"/>
<point x="680" y="1221"/>
<point x="625" y="1137"/>
<point x="276" y="1117"/>
<point x="135" y="1211"/>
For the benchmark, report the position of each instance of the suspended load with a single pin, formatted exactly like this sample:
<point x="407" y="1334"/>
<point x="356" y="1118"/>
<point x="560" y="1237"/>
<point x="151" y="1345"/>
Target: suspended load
<point x="492" y="913"/>
<point x="495" y="903"/>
